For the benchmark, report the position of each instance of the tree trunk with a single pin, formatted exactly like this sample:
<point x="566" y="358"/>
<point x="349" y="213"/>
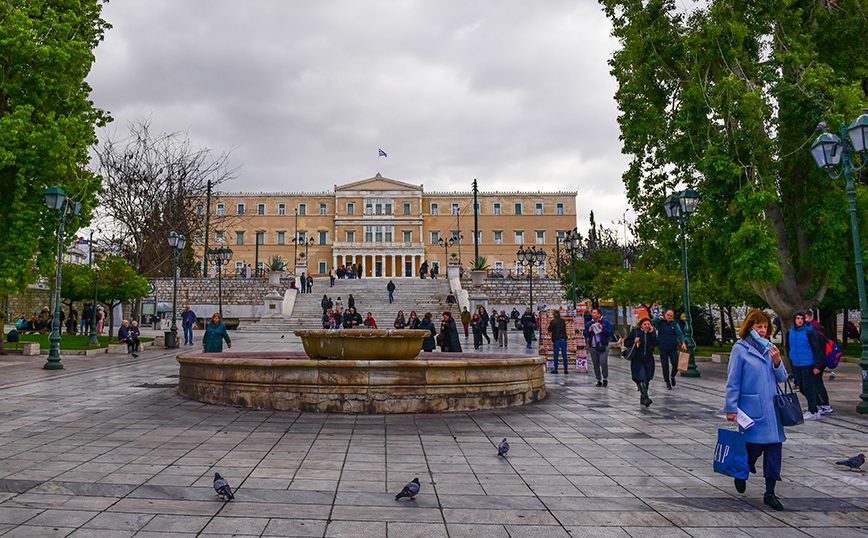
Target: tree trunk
<point x="844" y="328"/>
<point x="616" y="313"/>
<point x="732" y="329"/>
<point x="828" y="318"/>
<point x="723" y="338"/>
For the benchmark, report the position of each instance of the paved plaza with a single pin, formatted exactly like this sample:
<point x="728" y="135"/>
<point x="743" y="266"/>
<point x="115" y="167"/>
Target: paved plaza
<point x="106" y="448"/>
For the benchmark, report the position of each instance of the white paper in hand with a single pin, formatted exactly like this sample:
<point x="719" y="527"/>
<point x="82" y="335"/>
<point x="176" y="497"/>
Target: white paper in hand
<point x="743" y="420"/>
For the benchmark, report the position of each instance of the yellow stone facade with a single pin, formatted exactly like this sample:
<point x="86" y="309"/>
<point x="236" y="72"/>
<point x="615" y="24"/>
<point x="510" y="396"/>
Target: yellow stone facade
<point x="389" y="227"/>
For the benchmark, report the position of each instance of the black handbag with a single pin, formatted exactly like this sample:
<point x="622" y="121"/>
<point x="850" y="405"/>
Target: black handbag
<point x="787" y="405"/>
<point x="629" y="352"/>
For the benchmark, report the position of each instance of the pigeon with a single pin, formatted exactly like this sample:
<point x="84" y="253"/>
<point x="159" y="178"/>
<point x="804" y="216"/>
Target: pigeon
<point x="853" y="463"/>
<point x="410" y="491"/>
<point x="221" y="486"/>
<point x="282" y="335"/>
<point x="503" y="448"/>
<point x="822" y="125"/>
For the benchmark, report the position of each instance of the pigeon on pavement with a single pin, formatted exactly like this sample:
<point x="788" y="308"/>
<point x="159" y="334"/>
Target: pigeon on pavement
<point x="410" y="491"/>
<point x="221" y="486"/>
<point x="853" y="463"/>
<point x="503" y="448"/>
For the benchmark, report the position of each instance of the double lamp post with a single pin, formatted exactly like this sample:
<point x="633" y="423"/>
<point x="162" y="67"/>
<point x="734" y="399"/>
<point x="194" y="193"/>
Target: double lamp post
<point x="679" y="207"/>
<point x="219" y="257"/>
<point x="831" y="152"/>
<point x="177" y="242"/>
<point x="529" y="257"/>
<point x="63" y="207"/>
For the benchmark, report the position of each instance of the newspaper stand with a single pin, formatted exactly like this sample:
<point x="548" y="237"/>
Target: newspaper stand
<point x="575" y="339"/>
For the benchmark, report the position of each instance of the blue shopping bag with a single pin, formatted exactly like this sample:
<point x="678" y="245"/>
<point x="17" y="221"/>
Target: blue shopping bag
<point x="730" y="454"/>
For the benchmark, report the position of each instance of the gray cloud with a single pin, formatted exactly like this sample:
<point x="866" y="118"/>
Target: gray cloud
<point x="513" y="93"/>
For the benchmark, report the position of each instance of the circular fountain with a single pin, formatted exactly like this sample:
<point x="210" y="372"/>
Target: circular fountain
<point x="363" y="371"/>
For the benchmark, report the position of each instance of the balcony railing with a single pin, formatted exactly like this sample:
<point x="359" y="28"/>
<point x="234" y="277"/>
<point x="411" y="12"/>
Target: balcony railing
<point x="362" y="245"/>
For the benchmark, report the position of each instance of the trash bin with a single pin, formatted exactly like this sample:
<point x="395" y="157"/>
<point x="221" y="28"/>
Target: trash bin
<point x="170" y="340"/>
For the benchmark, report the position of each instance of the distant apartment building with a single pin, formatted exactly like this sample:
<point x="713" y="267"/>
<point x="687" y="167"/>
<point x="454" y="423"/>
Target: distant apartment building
<point x="389" y="227"/>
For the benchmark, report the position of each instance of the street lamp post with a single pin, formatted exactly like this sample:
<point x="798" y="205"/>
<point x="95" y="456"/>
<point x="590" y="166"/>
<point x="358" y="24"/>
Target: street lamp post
<point x="679" y="207"/>
<point x="830" y="151"/>
<point x="219" y="257"/>
<point x="57" y="201"/>
<point x="93" y="340"/>
<point x="572" y="243"/>
<point x="446" y="244"/>
<point x="177" y="242"/>
<point x="530" y="257"/>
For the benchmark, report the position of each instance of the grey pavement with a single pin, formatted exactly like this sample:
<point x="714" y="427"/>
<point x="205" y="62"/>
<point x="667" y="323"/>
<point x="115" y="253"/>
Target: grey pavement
<point x="106" y="448"/>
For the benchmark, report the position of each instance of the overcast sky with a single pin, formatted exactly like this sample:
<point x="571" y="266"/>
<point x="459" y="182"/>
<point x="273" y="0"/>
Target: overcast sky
<point x="513" y="93"/>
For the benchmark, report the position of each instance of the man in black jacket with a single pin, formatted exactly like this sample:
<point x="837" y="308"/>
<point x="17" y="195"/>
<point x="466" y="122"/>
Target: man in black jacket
<point x="528" y="325"/>
<point x="558" y="329"/>
<point x="670" y="338"/>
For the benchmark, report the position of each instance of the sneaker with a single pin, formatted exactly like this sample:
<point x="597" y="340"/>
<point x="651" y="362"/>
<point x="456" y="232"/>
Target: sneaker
<point x="772" y="500"/>
<point x="812" y="416"/>
<point x="528" y="346"/>
<point x="740" y="485"/>
<point x="554" y="371"/>
<point x="826" y="409"/>
<point x="605" y="382"/>
<point x="599" y="383"/>
<point x="832" y="376"/>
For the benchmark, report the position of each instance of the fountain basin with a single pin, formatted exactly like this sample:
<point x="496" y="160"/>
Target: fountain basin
<point x="362" y="344"/>
<point x="433" y="382"/>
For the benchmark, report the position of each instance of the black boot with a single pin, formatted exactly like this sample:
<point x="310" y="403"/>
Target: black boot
<point x="643" y="388"/>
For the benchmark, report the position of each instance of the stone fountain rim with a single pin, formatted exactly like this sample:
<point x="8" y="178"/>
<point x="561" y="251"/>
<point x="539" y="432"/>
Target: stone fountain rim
<point x="365" y="333"/>
<point x="276" y="359"/>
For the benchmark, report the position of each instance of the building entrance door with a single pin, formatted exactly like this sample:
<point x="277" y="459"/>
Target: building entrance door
<point x="378" y="269"/>
<point x="408" y="268"/>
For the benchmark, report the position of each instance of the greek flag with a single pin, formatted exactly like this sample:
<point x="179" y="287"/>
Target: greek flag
<point x="382" y="153"/>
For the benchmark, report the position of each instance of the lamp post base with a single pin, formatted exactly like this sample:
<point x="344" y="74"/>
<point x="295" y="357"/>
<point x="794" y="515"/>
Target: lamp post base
<point x="862" y="408"/>
<point x="53" y="364"/>
<point x="691" y="373"/>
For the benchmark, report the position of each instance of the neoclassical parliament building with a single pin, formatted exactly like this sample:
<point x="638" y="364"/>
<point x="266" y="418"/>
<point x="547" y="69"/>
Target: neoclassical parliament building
<point x="389" y="227"/>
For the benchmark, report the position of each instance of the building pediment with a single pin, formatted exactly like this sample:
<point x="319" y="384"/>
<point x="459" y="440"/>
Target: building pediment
<point x="378" y="183"/>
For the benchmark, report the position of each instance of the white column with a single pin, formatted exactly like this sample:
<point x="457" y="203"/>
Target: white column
<point x="394" y="265"/>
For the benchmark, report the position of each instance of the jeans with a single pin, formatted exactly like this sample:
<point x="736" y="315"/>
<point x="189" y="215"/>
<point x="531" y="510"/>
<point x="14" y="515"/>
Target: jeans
<point x="528" y="335"/>
<point x="188" y="334"/>
<point x="560" y="345"/>
<point x="668" y="357"/>
<point x="811" y="386"/>
<point x="601" y="362"/>
<point x="771" y="458"/>
<point x="390" y="296"/>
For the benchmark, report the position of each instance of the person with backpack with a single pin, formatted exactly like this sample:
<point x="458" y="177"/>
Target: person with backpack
<point x="807" y="354"/>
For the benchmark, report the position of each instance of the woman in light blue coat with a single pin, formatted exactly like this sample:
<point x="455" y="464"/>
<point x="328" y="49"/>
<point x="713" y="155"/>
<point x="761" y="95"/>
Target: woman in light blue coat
<point x="755" y="368"/>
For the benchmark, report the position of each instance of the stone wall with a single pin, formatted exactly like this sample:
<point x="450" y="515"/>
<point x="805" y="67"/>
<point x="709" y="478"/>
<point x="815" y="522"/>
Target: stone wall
<point x="509" y="292"/>
<point x="242" y="297"/>
<point x="30" y="302"/>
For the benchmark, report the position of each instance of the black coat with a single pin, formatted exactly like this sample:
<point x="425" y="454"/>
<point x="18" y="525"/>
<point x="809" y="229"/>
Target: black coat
<point x="428" y="344"/>
<point x="351" y="302"/>
<point x="647" y="343"/>
<point x="453" y="343"/>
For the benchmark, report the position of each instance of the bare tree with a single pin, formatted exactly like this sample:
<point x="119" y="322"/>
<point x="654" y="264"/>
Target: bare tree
<point x="155" y="184"/>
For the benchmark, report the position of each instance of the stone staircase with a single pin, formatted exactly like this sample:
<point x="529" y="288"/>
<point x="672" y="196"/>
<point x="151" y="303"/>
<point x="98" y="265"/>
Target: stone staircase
<point x="371" y="296"/>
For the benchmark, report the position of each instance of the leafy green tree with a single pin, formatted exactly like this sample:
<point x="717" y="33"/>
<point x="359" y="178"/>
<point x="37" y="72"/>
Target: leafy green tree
<point x="118" y="284"/>
<point x="76" y="283"/>
<point x="725" y="96"/>
<point x="647" y="286"/>
<point x="47" y="124"/>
